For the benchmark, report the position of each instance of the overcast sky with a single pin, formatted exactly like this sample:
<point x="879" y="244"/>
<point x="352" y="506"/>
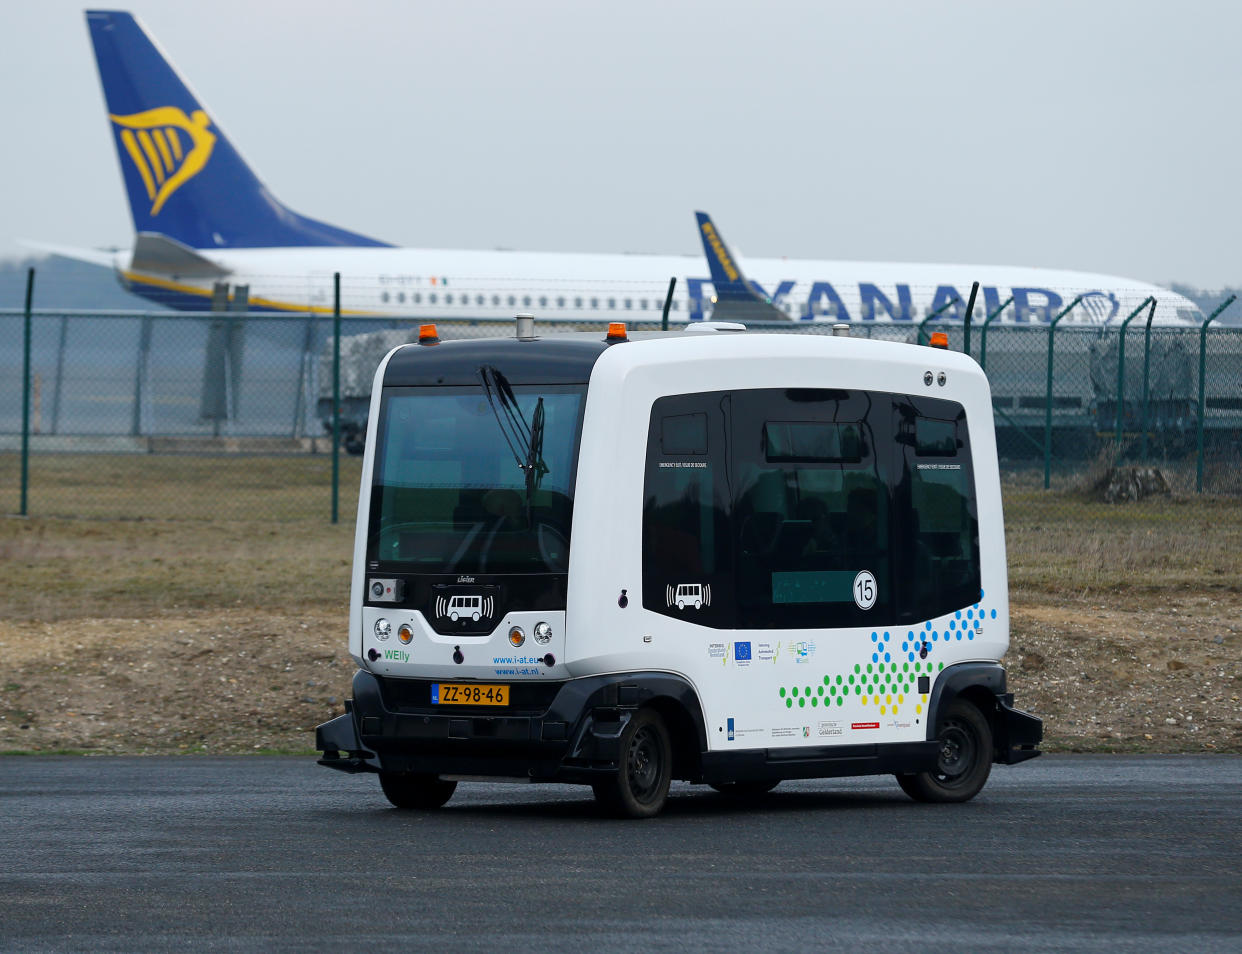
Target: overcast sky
<point x="1101" y="136"/>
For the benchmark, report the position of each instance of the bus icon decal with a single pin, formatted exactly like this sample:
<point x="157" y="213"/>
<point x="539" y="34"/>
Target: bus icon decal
<point x="688" y="595"/>
<point x="471" y="607"/>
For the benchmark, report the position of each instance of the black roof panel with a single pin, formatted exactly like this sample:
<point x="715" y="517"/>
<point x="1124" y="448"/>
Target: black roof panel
<point x="560" y="359"/>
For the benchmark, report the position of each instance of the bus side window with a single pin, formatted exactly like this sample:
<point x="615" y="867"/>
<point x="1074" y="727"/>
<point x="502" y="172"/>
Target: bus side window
<point x="811" y="506"/>
<point x="687" y="564"/>
<point x="937" y="499"/>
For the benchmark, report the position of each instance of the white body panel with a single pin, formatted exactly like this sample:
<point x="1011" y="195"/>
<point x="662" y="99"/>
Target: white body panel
<point x="606" y="546"/>
<point x="487" y="658"/>
<point x="357" y="586"/>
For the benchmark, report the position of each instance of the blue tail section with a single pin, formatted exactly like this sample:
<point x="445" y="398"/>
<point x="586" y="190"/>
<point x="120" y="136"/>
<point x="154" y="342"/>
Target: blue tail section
<point x="727" y="277"/>
<point x="183" y="177"/>
<point x="736" y="298"/>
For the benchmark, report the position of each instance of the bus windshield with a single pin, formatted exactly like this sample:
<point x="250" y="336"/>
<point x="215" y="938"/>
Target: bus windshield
<point x="475" y="479"/>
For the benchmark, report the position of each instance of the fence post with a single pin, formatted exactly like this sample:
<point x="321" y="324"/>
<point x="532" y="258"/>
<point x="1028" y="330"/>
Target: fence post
<point x="140" y="374"/>
<point x="304" y="376"/>
<point x="60" y="372"/>
<point x="1146" y="368"/>
<point x="214" y="401"/>
<point x="336" y="396"/>
<point x="970" y="307"/>
<point x="1202" y="371"/>
<point x="30" y="273"/>
<point x="668" y="301"/>
<point x="1048" y="399"/>
<point x="983" y="335"/>
<point x="1121" y="371"/>
<point x="235" y="344"/>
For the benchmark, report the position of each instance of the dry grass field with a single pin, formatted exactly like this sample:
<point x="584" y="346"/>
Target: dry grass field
<point x="197" y="604"/>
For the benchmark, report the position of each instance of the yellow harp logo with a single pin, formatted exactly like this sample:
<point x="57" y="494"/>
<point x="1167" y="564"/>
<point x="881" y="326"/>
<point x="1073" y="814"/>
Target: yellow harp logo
<point x="168" y="148"/>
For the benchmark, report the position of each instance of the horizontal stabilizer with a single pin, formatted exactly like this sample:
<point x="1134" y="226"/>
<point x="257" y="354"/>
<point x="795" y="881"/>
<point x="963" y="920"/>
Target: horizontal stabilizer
<point x="160" y="254"/>
<point x="107" y="258"/>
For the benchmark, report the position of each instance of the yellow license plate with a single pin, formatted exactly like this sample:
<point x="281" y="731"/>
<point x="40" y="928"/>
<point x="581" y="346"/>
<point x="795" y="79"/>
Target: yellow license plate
<point x="468" y="694"/>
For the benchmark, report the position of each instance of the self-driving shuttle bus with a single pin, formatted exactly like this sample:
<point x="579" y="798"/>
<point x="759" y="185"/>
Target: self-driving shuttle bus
<point x="712" y="555"/>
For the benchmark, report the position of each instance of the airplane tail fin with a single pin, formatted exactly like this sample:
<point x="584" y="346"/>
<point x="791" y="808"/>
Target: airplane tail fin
<point x="184" y="179"/>
<point x="736" y="299"/>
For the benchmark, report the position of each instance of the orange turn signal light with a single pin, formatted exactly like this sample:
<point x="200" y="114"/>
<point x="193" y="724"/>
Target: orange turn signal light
<point x="939" y="339"/>
<point x="616" y="331"/>
<point x="427" y="335"/>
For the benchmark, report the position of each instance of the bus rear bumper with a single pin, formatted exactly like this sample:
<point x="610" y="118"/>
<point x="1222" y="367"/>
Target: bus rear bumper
<point x="1023" y="733"/>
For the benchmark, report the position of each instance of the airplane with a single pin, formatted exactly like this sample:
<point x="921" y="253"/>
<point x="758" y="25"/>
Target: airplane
<point x="203" y="219"/>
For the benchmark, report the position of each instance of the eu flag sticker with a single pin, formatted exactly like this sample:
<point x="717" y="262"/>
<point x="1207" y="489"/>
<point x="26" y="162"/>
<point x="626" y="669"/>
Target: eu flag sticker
<point x="741" y="651"/>
<point x="731" y="730"/>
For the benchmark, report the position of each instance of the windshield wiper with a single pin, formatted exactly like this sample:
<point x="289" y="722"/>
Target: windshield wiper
<point x="535" y="466"/>
<point x="487" y="374"/>
<point x="514" y="428"/>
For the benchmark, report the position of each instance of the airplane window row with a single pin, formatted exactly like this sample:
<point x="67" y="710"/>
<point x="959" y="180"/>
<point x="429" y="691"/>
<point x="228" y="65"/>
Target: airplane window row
<point x="416" y="298"/>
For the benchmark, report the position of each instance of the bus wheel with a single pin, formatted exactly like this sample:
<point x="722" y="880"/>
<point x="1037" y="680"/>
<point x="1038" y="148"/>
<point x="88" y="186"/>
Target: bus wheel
<point x="640" y="786"/>
<point x="414" y="791"/>
<point x="746" y="790"/>
<point x="964" y="762"/>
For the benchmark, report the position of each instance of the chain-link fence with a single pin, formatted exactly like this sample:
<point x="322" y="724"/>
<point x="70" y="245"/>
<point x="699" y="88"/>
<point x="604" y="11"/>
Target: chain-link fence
<point x="229" y="413"/>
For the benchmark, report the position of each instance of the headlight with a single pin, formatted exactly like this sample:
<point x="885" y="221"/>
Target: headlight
<point x="516" y="636"/>
<point x="542" y="632"/>
<point x="383" y="628"/>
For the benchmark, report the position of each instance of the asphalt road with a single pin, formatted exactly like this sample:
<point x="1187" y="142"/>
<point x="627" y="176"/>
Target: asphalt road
<point x="1063" y="853"/>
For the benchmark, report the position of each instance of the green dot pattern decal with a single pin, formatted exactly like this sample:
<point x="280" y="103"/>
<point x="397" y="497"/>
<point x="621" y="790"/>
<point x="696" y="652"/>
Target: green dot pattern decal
<point x="886" y="677"/>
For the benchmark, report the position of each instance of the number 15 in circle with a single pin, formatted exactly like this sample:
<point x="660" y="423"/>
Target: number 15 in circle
<point x="864" y="589"/>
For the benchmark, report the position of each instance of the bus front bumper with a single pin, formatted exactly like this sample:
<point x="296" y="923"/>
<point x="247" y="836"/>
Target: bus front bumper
<point x="574" y="738"/>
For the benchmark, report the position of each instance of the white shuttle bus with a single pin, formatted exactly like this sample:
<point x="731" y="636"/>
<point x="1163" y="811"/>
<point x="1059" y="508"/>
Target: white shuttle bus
<point x="710" y="555"/>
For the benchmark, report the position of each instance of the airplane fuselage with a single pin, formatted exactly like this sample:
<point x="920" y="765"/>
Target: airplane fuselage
<point x="465" y="284"/>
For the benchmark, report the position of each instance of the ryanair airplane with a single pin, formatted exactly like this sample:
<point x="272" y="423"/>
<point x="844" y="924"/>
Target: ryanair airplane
<point x="203" y="218"/>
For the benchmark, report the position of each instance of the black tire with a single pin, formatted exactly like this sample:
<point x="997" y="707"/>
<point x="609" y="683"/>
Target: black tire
<point x="745" y="791"/>
<point x="965" y="758"/>
<point x="639" y="788"/>
<point x="411" y="791"/>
